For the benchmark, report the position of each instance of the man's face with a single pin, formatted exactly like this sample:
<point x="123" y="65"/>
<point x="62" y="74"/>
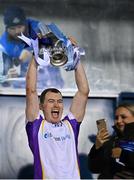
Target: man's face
<point x="122" y="117"/>
<point x="15" y="31"/>
<point x="52" y="107"/>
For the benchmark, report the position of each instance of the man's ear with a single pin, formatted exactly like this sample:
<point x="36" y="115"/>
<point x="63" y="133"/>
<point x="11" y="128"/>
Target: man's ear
<point x="40" y="106"/>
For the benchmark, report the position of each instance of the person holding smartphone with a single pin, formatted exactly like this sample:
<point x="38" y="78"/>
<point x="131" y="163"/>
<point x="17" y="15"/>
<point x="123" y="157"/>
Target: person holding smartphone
<point x="112" y="156"/>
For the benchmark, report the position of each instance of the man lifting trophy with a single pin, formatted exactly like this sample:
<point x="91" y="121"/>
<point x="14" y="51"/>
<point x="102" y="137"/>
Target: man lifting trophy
<point x="51" y="46"/>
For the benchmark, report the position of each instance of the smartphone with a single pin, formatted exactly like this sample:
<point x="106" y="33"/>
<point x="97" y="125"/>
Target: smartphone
<point x="101" y="123"/>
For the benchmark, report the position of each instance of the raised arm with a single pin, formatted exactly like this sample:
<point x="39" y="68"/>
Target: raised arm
<point x="80" y="99"/>
<point x="32" y="102"/>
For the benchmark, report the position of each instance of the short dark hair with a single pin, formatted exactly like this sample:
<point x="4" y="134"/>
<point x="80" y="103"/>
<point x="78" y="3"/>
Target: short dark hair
<point x="43" y="94"/>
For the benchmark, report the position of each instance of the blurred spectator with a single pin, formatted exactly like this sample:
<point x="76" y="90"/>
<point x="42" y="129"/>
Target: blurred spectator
<point x="112" y="157"/>
<point x="16" y="54"/>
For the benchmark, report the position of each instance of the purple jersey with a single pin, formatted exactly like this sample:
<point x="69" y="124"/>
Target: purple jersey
<point x="54" y="147"/>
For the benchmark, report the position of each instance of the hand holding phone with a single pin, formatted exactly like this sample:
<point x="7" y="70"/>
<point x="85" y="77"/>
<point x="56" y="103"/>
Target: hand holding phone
<point x="102" y="135"/>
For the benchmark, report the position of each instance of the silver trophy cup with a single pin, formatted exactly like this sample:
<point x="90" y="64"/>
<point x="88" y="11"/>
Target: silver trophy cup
<point x="57" y="50"/>
<point x="58" y="56"/>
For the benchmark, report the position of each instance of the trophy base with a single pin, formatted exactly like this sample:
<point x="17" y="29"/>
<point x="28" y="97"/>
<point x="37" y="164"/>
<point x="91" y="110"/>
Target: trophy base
<point x="58" y="60"/>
